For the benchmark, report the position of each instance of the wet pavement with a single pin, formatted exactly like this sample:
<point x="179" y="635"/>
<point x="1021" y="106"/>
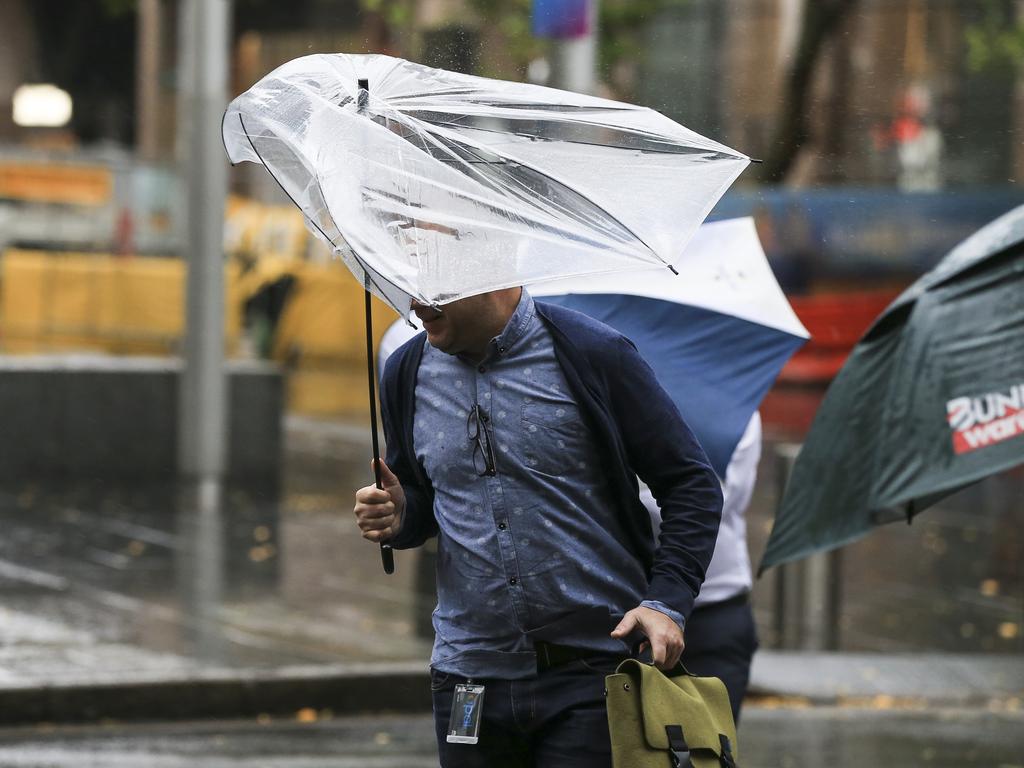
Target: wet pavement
<point x="148" y="580"/>
<point x="162" y="579"/>
<point x="118" y="583"/>
<point x="769" y="738"/>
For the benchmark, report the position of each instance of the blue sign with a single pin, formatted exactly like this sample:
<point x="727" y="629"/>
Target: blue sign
<point x="842" y="232"/>
<point x="561" y="18"/>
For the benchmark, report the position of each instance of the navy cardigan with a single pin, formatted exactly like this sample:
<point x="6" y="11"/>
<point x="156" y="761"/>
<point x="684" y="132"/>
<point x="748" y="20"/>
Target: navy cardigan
<point x="638" y="431"/>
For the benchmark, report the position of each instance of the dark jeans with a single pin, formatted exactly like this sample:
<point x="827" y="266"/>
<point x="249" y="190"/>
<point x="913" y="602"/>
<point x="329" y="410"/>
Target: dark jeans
<point x="720" y="642"/>
<point x="556" y="719"/>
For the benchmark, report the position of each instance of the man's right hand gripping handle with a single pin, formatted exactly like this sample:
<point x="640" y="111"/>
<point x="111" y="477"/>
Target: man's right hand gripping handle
<point x="379" y="512"/>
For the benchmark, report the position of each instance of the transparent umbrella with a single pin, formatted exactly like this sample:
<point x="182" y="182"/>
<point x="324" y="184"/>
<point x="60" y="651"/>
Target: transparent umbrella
<point x="434" y="186"/>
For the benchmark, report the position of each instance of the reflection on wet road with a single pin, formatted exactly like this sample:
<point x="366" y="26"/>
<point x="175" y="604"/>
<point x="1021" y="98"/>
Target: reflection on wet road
<point x="779" y="738"/>
<point x="113" y="580"/>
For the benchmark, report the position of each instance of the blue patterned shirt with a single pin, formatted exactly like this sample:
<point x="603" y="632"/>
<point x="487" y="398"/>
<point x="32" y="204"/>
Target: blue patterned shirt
<point x="537" y="541"/>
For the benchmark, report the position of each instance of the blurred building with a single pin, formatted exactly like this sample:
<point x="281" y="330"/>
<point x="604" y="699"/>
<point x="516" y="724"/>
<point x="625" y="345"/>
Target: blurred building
<point x="899" y="94"/>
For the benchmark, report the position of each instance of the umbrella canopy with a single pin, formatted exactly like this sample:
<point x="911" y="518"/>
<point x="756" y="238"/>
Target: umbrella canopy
<point x="716" y="337"/>
<point x="930" y="400"/>
<point x="434" y="186"/>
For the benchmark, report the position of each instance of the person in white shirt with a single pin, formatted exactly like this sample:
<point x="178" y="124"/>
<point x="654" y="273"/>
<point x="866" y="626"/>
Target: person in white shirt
<point x="721" y="637"/>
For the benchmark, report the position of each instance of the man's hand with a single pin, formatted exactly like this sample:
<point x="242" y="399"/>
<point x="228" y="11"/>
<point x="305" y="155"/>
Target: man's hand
<point x="663" y="635"/>
<point x="379" y="512"/>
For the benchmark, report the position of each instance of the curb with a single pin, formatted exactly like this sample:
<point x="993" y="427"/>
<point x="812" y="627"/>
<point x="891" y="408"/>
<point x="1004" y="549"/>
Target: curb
<point x="348" y="689"/>
<point x="814" y="679"/>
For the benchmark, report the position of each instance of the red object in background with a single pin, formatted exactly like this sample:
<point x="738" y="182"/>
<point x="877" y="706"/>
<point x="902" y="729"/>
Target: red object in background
<point x="124" y="234"/>
<point x="836" y="322"/>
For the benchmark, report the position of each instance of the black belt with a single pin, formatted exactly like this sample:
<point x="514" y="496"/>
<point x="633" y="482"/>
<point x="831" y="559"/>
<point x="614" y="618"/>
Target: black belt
<point x="550" y="655"/>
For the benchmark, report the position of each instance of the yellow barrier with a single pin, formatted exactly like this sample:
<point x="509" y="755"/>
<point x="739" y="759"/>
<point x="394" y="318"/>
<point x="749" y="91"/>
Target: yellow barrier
<point x="51" y="302"/>
<point x="271" y="231"/>
<point x="121" y="305"/>
<point x="321" y="337"/>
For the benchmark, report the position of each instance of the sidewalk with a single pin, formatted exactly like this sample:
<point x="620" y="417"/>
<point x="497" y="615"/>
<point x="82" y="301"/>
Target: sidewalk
<point x="794" y="679"/>
<point x="144" y="603"/>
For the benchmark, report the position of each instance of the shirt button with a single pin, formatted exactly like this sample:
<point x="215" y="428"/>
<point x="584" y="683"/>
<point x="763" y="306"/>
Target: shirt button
<point x="513" y="581"/>
<point x="482" y="369"/>
<point x="501" y="350"/>
<point x="502" y="526"/>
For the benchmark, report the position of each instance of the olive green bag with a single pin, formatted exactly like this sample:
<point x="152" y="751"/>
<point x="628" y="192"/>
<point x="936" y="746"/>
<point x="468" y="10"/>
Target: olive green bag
<point x="669" y="720"/>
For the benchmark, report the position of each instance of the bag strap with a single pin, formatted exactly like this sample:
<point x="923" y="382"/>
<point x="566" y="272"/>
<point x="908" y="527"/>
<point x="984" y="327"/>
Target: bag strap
<point x="726" y="758"/>
<point x="678" y="752"/>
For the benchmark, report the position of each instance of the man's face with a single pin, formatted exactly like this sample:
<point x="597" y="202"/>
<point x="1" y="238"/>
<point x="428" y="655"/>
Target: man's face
<point x="458" y="328"/>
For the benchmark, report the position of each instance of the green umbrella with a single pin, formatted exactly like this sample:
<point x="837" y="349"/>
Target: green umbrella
<point x="930" y="400"/>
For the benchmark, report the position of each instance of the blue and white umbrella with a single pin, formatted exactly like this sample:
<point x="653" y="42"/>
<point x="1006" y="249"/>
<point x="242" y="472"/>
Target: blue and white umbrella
<point x="716" y="336"/>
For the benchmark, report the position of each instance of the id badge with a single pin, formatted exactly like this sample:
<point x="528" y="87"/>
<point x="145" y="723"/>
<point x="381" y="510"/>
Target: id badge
<point x="464" y="724"/>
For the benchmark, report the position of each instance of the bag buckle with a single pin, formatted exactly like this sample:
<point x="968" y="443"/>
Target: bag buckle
<point x="727" y="759"/>
<point x="679" y="753"/>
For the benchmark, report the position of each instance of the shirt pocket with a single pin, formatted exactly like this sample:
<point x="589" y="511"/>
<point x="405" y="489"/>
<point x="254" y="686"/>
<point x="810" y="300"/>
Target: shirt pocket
<point x="552" y="437"/>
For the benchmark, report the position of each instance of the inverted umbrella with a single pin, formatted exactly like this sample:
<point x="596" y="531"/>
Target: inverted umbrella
<point x="930" y="400"/>
<point x="434" y="186"/>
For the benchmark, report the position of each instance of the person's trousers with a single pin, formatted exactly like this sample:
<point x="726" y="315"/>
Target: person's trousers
<point x="557" y="719"/>
<point x="720" y="642"/>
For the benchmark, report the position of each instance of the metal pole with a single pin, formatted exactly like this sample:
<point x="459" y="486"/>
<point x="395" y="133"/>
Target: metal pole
<point x="574" y="60"/>
<point x="147" y="79"/>
<point x="788" y="613"/>
<point x="203" y="73"/>
<point x="808" y="592"/>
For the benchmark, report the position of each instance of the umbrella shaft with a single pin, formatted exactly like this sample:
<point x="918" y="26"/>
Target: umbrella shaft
<point x="387" y="555"/>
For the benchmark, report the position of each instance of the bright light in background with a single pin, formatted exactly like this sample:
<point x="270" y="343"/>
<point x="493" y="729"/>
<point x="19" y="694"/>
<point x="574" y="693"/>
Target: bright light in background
<point x="41" y="106"/>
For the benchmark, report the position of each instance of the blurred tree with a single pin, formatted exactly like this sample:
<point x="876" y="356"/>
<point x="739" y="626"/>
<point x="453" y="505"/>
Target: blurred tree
<point x="621" y="27"/>
<point x="509" y="20"/>
<point x="995" y="42"/>
<point x="821" y="19"/>
<point x="397" y="13"/>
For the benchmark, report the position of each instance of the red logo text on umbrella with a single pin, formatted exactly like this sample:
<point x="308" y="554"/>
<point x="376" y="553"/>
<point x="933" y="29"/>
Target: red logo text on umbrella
<point x="978" y="422"/>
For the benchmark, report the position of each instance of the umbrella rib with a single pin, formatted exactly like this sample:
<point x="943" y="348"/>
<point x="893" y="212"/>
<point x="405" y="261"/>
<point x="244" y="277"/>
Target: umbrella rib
<point x="318" y="228"/>
<point x="712" y="154"/>
<point x="600" y="208"/>
<point x="469" y="148"/>
<point x="355" y="255"/>
<point x="273" y="175"/>
<point x="488" y="183"/>
<point x="512" y="105"/>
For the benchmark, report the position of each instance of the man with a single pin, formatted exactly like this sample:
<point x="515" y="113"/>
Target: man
<point x="721" y="637"/>
<point x="515" y="435"/>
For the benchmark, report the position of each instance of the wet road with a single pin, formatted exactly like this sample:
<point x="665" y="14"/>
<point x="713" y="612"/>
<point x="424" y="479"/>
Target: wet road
<point x="100" y="581"/>
<point x="769" y="738"/>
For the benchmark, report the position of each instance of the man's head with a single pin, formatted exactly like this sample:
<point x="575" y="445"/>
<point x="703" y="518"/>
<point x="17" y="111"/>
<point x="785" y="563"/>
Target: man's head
<point x="466" y="326"/>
